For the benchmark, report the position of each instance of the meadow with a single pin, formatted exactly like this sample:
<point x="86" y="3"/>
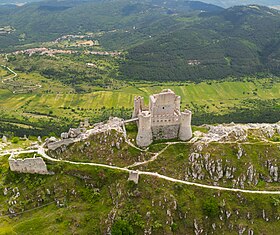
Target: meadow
<point x="60" y="91"/>
<point x="216" y="96"/>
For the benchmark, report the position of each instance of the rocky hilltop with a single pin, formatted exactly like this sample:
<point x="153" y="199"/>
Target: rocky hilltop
<point x="223" y="181"/>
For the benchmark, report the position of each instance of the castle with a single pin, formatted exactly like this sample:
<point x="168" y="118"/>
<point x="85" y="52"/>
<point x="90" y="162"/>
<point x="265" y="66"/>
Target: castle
<point x="162" y="119"/>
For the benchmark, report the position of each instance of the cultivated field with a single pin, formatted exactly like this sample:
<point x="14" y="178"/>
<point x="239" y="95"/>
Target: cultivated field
<point x="217" y="96"/>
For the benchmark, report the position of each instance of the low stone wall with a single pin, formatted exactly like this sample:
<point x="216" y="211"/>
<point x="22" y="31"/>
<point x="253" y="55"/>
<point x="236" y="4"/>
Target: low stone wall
<point x="28" y="165"/>
<point x="57" y="144"/>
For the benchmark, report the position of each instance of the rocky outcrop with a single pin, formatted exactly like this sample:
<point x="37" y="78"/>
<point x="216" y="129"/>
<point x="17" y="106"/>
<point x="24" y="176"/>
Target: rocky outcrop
<point x="273" y="171"/>
<point x="237" y="132"/>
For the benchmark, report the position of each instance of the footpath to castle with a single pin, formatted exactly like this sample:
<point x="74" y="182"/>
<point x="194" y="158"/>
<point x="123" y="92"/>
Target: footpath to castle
<point x="41" y="151"/>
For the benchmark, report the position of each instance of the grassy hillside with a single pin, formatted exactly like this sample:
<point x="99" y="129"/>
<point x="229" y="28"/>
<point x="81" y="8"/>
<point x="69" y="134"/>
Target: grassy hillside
<point x="91" y="200"/>
<point x="164" y="41"/>
<point x="237" y="41"/>
<point x="230" y="3"/>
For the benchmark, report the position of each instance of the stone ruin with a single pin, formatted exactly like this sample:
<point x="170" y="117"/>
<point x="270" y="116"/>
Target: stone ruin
<point x="81" y="133"/>
<point x="67" y="138"/>
<point x="35" y="165"/>
<point x="236" y="132"/>
<point x="133" y="176"/>
<point x="162" y="119"/>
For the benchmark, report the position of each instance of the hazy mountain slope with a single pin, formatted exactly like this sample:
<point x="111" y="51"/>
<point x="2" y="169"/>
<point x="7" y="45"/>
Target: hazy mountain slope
<point x="48" y="20"/>
<point x="238" y="41"/>
<point x="230" y="3"/>
<point x="174" y="40"/>
<point x="17" y="1"/>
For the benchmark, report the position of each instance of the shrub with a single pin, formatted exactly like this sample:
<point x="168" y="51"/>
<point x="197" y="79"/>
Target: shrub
<point x="210" y="207"/>
<point x="180" y="156"/>
<point x="15" y="140"/>
<point x="122" y="227"/>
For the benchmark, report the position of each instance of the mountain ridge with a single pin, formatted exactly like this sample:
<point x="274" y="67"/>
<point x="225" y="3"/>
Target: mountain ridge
<point x="164" y="41"/>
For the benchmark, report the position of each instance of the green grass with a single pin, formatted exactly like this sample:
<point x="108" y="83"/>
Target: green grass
<point x="174" y="162"/>
<point x="102" y="148"/>
<point x="217" y="95"/>
<point x="101" y="95"/>
<point x="89" y="195"/>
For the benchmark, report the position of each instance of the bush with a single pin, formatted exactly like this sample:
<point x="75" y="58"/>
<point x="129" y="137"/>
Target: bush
<point x="122" y="227"/>
<point x="174" y="227"/>
<point x="15" y="140"/>
<point x="210" y="207"/>
<point x="180" y="156"/>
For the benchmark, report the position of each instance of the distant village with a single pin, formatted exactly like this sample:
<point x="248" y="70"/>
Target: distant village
<point x="53" y="52"/>
<point x="6" y="30"/>
<point x="65" y="45"/>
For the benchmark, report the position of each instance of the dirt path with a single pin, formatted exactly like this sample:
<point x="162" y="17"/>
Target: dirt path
<point x="41" y="151"/>
<point x="6" y="81"/>
<point x="155" y="174"/>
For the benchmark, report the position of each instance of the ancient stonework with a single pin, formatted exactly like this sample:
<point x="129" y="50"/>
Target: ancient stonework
<point x="134" y="176"/>
<point x="162" y="119"/>
<point x="34" y="165"/>
<point x="81" y="133"/>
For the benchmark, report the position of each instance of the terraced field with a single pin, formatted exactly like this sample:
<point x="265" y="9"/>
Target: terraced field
<point x="218" y="96"/>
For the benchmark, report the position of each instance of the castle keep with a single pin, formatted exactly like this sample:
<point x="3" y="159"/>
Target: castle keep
<point x="162" y="119"/>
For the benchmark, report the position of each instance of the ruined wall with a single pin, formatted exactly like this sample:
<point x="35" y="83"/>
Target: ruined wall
<point x="28" y="165"/>
<point x="57" y="144"/>
<point x="164" y="103"/>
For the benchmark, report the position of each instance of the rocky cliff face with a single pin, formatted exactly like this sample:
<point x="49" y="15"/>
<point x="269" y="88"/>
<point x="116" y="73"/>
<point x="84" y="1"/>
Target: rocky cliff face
<point x="238" y="156"/>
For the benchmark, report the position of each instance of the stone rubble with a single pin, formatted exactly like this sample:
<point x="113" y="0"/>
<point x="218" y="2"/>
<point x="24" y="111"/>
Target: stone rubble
<point x="81" y="133"/>
<point x="235" y="132"/>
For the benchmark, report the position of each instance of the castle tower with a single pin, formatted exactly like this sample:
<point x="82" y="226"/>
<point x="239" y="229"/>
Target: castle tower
<point x="177" y="103"/>
<point x="144" y="137"/>
<point x="138" y="106"/>
<point x="185" y="132"/>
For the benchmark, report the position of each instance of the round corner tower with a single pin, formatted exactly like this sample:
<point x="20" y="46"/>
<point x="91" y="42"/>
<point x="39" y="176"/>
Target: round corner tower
<point x="145" y="136"/>
<point x="185" y="132"/>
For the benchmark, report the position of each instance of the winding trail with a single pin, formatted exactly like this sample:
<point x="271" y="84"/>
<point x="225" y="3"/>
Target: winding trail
<point x="11" y="71"/>
<point x="6" y="80"/>
<point x="151" y="159"/>
<point x="42" y="152"/>
<point x="155" y="174"/>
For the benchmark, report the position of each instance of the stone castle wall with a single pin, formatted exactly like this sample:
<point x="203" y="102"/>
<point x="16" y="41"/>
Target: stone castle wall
<point x="57" y="144"/>
<point x="28" y="165"/>
<point x="163" y="120"/>
<point x="165" y="132"/>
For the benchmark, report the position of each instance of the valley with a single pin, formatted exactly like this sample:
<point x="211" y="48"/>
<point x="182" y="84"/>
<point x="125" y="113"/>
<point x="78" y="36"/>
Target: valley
<point x="78" y="154"/>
